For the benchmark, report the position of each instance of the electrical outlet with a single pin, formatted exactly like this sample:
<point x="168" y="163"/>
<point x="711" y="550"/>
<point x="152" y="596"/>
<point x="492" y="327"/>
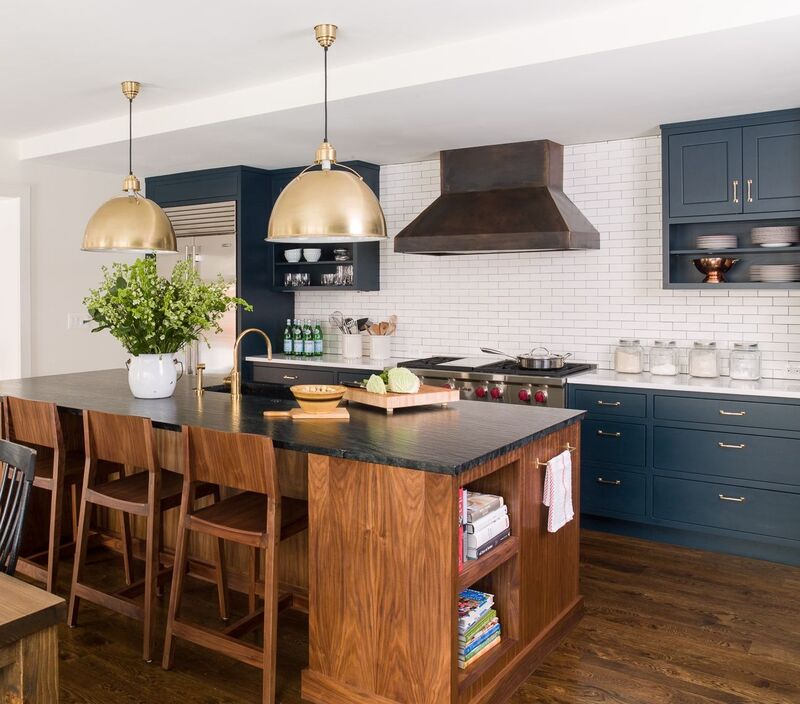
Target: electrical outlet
<point x="74" y="321"/>
<point x="793" y="370"/>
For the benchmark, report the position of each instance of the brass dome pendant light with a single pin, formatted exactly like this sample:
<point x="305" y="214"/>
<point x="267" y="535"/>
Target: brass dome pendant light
<point x="330" y="204"/>
<point x="130" y="223"/>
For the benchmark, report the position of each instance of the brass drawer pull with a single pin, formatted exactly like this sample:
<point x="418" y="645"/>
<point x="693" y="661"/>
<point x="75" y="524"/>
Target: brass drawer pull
<point x="289" y="378"/>
<point x="736" y="190"/>
<point x="735" y="499"/>
<point x="610" y="482"/>
<point x="749" y="190"/>
<point x="728" y="446"/>
<point x="615" y="404"/>
<point x="732" y="413"/>
<point x="606" y="434"/>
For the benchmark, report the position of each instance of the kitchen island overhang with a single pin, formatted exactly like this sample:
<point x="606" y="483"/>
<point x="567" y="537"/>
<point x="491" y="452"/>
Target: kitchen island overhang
<point x="378" y="568"/>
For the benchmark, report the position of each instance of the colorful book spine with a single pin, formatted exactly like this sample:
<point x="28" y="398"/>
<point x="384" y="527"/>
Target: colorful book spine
<point x="482" y="623"/>
<point x="480" y="640"/>
<point x="479" y="653"/>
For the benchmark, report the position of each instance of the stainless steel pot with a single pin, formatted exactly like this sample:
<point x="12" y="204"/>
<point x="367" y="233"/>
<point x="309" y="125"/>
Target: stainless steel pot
<point x="532" y="360"/>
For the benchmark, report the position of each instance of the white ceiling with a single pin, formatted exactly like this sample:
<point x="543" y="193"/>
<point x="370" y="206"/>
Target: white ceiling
<point x="242" y="84"/>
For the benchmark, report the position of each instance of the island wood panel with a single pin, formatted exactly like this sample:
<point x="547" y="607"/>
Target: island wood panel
<point x="383" y="577"/>
<point x="293" y="560"/>
<point x="538" y="587"/>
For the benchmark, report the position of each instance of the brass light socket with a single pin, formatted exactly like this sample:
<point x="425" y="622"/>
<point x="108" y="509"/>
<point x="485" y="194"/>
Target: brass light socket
<point x="131" y="183"/>
<point x="130" y="89"/>
<point x="325" y="152"/>
<point x="326" y="34"/>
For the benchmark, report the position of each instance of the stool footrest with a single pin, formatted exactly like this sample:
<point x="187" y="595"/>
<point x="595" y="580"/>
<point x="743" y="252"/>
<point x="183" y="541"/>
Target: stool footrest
<point x="208" y="638"/>
<point x="121" y="605"/>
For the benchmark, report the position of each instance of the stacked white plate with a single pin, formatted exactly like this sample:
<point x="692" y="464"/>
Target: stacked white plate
<point x="716" y="242"/>
<point x="783" y="236"/>
<point x="775" y="273"/>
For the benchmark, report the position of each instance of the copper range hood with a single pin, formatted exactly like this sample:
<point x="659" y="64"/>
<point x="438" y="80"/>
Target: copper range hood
<point x="500" y="198"/>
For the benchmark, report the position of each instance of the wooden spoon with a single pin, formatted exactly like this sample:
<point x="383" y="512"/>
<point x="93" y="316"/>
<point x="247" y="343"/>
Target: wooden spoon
<point x="375" y="329"/>
<point x="384" y="327"/>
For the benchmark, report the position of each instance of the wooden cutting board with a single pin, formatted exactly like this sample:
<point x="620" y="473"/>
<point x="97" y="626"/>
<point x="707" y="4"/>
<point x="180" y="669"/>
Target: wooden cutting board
<point x="426" y="396"/>
<point x="300" y="414"/>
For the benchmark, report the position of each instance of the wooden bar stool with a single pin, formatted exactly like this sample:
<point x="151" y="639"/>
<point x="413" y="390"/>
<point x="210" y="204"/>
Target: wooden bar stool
<point x="36" y="424"/>
<point x="128" y="441"/>
<point x="257" y="518"/>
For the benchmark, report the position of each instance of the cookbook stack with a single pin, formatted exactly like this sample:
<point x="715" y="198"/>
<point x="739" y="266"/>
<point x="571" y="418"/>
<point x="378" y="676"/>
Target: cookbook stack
<point x="478" y="626"/>
<point x="485" y="524"/>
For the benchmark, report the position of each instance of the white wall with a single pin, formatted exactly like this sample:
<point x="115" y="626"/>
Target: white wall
<point x="579" y="302"/>
<point x="60" y="203"/>
<point x="10" y="279"/>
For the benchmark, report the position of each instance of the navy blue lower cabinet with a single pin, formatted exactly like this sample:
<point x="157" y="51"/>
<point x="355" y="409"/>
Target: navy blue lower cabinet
<point x="613" y="491"/>
<point x="614" y="442"/>
<point x="711" y="471"/>
<point x="722" y="454"/>
<point x="745" y="509"/>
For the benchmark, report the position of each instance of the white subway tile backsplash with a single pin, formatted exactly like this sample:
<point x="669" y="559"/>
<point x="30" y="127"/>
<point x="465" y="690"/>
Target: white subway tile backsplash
<point x="570" y="301"/>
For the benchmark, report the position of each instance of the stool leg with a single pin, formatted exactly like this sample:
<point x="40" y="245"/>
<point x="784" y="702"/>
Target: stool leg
<point x="253" y="581"/>
<point x="54" y="541"/>
<point x="74" y="505"/>
<point x="271" y="601"/>
<point x="222" y="582"/>
<point x="127" y="548"/>
<point x="178" y="576"/>
<point x="80" y="558"/>
<point x="151" y="563"/>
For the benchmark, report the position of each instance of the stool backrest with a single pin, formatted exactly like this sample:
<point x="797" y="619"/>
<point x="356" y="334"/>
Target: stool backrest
<point x="236" y="460"/>
<point x="32" y="422"/>
<point x="17" y="469"/>
<point x="127" y="440"/>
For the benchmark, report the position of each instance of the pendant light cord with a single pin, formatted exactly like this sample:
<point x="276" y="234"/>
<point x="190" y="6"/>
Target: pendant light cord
<point x="130" y="136"/>
<point x="325" y="49"/>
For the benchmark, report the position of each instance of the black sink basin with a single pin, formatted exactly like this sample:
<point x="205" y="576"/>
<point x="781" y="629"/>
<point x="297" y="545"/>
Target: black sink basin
<point x="274" y="391"/>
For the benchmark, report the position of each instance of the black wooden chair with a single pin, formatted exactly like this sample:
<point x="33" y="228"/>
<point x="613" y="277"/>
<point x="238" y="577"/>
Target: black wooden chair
<point x="17" y="470"/>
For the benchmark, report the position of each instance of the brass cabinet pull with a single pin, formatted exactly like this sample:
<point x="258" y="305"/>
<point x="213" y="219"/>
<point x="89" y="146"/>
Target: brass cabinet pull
<point x="606" y="434"/>
<point x="727" y="446"/>
<point x="735" y="499"/>
<point x="749" y="190"/>
<point x="609" y="403"/>
<point x="732" y="413"/>
<point x="289" y="378"/>
<point x="611" y="482"/>
<point x="736" y="190"/>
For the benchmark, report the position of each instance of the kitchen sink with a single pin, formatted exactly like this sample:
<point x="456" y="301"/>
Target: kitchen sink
<point x="273" y="391"/>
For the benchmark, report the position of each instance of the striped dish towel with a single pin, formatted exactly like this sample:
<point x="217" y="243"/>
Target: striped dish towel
<point x="558" y="491"/>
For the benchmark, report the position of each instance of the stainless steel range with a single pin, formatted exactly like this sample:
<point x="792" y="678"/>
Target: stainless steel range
<point x="477" y="379"/>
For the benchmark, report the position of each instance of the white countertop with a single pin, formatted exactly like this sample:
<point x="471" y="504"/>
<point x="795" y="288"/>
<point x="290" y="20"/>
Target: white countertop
<point x="775" y="388"/>
<point x="330" y="360"/>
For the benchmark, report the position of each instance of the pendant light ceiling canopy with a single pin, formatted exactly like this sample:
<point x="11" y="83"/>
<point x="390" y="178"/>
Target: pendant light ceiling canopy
<point x="329" y="203"/>
<point x="129" y="223"/>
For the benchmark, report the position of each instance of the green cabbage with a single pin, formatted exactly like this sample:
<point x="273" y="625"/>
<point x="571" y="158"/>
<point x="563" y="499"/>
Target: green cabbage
<point x="375" y="385"/>
<point x="403" y="381"/>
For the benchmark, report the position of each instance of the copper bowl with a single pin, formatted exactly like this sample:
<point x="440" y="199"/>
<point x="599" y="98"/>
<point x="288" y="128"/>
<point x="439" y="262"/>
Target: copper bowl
<point x="714" y="268"/>
<point x="318" y="398"/>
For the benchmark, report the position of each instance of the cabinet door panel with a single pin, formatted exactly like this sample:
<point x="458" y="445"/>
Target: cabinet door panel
<point x="703" y="167"/>
<point x="613" y="491"/>
<point x="772" y="163"/>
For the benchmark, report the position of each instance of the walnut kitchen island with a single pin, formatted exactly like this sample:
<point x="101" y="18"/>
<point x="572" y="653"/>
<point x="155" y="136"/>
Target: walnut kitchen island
<point x="378" y="568"/>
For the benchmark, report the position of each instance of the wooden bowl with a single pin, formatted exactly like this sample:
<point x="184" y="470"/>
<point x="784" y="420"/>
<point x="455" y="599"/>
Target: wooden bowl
<point x="318" y="398"/>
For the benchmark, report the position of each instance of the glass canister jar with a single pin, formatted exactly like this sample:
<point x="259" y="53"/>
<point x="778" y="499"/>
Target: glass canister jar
<point x="745" y="361"/>
<point x="629" y="357"/>
<point x="664" y="360"/>
<point x="704" y="359"/>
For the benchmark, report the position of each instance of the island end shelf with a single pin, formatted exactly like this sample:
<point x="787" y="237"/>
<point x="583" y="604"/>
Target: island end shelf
<point x="377" y="570"/>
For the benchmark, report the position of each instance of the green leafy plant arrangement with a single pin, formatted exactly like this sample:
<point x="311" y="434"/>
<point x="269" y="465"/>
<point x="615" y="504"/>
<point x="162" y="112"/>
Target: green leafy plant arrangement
<point x="152" y="314"/>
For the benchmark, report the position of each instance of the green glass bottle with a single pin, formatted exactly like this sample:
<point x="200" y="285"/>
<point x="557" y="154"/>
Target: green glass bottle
<point x="318" y="340"/>
<point x="308" y="339"/>
<point x="287" y="337"/>
<point x="297" y="339"/>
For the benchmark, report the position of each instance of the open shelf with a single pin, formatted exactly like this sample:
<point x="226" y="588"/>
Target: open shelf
<point x="735" y="250"/>
<point x="295" y="289"/>
<point x="319" y="263"/>
<point x="477" y="569"/>
<point x="473" y="672"/>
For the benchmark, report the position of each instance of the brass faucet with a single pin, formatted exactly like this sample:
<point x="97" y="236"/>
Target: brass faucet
<point x="236" y="377"/>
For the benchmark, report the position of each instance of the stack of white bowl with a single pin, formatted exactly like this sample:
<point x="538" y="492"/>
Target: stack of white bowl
<point x="783" y="236"/>
<point x="715" y="242"/>
<point x="775" y="273"/>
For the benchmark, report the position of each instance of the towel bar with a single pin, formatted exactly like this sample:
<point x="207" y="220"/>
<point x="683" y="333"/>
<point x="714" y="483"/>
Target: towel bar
<point x="566" y="447"/>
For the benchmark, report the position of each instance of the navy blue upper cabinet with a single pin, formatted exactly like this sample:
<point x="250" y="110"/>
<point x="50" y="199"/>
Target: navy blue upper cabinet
<point x="705" y="173"/>
<point x="771" y="167"/>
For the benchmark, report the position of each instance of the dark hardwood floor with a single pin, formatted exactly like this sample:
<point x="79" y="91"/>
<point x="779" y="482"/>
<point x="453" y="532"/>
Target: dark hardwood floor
<point x="663" y="625"/>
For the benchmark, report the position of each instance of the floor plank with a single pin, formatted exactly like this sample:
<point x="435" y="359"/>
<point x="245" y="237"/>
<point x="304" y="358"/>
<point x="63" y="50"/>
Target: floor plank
<point x="663" y="625"/>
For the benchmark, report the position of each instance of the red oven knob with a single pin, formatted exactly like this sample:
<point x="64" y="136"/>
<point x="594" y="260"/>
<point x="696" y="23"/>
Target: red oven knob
<point x="540" y="396"/>
<point x="525" y="395"/>
<point x="496" y="392"/>
<point x="480" y="392"/>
